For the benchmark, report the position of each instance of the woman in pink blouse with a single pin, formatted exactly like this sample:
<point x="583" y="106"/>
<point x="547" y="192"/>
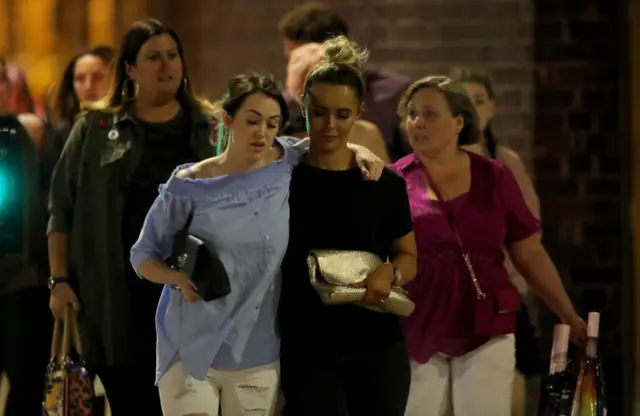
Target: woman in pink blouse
<point x="466" y="207"/>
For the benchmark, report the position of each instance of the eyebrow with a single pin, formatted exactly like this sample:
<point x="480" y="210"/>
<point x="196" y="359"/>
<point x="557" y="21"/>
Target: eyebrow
<point x="320" y="107"/>
<point x="260" y="115"/>
<point x="172" y="50"/>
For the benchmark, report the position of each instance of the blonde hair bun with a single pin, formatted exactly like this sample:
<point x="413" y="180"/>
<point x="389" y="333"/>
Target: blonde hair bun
<point x="343" y="52"/>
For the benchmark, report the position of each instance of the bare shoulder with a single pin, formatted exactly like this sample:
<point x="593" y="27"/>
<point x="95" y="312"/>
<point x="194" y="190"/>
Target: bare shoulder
<point x="33" y="124"/>
<point x="367" y="127"/>
<point x="367" y="134"/>
<point x="510" y="158"/>
<point x="208" y="168"/>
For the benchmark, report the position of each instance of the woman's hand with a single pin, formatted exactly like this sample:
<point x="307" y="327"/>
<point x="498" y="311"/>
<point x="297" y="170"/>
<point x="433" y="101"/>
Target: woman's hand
<point x="370" y="164"/>
<point x="186" y="286"/>
<point x="378" y="285"/>
<point x="578" y="329"/>
<point x="62" y="295"/>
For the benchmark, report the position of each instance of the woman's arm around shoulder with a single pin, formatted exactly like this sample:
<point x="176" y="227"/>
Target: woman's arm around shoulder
<point x="368" y="162"/>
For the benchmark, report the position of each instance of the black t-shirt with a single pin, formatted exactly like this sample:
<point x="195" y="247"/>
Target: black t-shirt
<point x="338" y="210"/>
<point x="166" y="145"/>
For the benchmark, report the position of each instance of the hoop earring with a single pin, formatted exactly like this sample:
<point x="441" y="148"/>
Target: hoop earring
<point x="125" y="91"/>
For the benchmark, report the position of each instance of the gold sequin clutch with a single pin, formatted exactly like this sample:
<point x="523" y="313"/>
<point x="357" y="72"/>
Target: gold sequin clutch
<point x="333" y="274"/>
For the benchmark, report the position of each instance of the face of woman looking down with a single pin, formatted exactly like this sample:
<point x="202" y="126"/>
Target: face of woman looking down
<point x="254" y="126"/>
<point x="331" y="112"/>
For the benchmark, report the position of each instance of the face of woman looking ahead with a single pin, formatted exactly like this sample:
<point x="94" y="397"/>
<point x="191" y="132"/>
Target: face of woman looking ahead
<point x="331" y="111"/>
<point x="484" y="105"/>
<point x="254" y="127"/>
<point x="429" y="123"/>
<point x="158" y="69"/>
<point x="89" y="73"/>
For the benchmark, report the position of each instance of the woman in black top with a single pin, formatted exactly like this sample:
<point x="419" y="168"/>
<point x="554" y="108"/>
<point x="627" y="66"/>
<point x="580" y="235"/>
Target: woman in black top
<point x="339" y="360"/>
<point x="107" y="177"/>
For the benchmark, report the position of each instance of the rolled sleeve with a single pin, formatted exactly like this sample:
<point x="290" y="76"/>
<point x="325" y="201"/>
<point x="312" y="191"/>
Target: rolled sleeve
<point x="166" y="217"/>
<point x="64" y="181"/>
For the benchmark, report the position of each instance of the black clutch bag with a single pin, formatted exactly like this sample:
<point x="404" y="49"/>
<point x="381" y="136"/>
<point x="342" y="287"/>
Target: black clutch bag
<point x="190" y="255"/>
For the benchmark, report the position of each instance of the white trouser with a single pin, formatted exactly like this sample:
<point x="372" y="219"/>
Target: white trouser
<point x="253" y="391"/>
<point x="477" y="384"/>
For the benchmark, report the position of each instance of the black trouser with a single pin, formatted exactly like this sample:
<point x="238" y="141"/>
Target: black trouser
<point x="25" y="343"/>
<point x="374" y="382"/>
<point x="130" y="390"/>
<point x="528" y="361"/>
<point x="129" y="386"/>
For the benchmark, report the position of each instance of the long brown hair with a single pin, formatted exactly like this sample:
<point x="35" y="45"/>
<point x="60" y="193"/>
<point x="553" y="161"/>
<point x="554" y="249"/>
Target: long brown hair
<point x="121" y="91"/>
<point x="65" y="104"/>
<point x="466" y="75"/>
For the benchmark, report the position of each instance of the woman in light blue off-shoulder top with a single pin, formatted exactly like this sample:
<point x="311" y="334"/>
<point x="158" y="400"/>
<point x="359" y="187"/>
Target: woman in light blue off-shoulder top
<point x="224" y="353"/>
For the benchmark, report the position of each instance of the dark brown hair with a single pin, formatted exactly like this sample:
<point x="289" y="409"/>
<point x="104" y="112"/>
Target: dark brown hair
<point x="65" y="104"/>
<point x="121" y="89"/>
<point x="312" y="22"/>
<point x="466" y="75"/>
<point x="342" y="65"/>
<point x="458" y="100"/>
<point x="238" y="89"/>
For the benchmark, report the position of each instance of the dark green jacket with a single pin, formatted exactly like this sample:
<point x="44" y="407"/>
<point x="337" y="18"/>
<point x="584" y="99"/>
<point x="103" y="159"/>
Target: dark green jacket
<point x="87" y="202"/>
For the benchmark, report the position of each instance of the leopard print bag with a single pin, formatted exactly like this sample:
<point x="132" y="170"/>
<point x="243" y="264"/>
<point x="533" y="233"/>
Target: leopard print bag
<point x="68" y="384"/>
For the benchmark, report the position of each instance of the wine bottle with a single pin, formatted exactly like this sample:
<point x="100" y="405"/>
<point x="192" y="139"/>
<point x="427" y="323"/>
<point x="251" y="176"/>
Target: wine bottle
<point x="556" y="391"/>
<point x="589" y="398"/>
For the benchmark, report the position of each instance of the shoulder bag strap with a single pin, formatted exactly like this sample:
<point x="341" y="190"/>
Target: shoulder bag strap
<point x="450" y="217"/>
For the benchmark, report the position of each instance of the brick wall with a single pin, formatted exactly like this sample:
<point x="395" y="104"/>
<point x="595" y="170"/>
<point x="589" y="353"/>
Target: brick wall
<point x="577" y="142"/>
<point x="555" y="64"/>
<point x="415" y="37"/>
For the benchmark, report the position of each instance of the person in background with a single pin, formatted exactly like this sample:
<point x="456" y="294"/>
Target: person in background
<point x="303" y="30"/>
<point x="461" y="332"/>
<point x="25" y="322"/>
<point x="83" y="81"/>
<point x="479" y="86"/>
<point x="21" y="100"/>
<point x="346" y="359"/>
<point x="117" y="155"/>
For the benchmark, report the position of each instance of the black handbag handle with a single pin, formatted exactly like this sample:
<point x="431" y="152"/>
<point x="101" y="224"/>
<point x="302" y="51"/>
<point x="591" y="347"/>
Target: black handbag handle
<point x="180" y="241"/>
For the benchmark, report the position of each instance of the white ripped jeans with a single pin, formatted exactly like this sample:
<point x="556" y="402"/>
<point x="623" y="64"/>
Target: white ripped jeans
<point x="253" y="391"/>
<point x="477" y="383"/>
